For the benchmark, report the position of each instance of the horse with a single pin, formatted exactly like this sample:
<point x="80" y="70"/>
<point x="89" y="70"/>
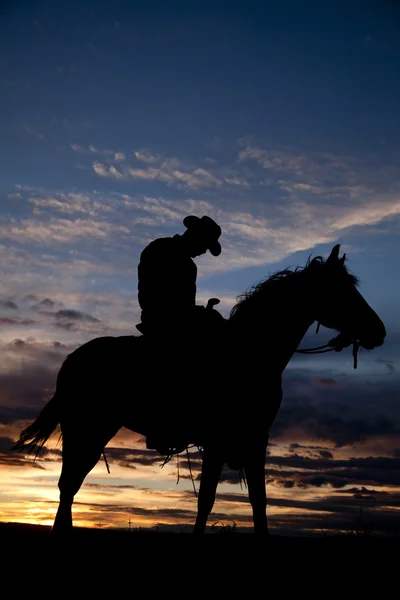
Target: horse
<point x="94" y="389"/>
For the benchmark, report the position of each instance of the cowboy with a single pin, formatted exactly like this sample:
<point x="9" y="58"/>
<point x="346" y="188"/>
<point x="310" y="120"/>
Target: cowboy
<point x="167" y="277"/>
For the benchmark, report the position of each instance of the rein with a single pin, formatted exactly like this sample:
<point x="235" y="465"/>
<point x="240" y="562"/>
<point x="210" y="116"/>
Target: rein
<point x="337" y="344"/>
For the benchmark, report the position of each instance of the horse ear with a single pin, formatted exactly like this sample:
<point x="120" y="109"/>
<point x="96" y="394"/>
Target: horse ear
<point x="343" y="259"/>
<point x="334" y="255"/>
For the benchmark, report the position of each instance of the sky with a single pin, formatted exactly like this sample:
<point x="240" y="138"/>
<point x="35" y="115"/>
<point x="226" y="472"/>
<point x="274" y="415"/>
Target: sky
<point x="279" y="120"/>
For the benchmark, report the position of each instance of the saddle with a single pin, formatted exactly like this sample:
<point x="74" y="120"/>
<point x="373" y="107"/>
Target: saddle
<point x="205" y="328"/>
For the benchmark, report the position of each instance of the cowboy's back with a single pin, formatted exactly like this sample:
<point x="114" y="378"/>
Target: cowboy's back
<point x="167" y="281"/>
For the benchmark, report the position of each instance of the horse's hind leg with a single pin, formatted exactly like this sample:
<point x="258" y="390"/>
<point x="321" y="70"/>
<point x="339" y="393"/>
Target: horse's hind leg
<point x="211" y="471"/>
<point x="80" y="454"/>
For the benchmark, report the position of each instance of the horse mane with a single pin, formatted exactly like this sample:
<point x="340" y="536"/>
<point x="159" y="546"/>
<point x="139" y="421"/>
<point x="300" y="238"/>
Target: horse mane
<point x="264" y="288"/>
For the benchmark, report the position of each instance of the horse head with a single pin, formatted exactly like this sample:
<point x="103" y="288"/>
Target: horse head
<point x="339" y="305"/>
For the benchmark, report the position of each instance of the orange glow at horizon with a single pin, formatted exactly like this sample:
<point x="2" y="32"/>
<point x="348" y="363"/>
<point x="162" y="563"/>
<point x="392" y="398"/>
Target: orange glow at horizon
<point x="147" y="496"/>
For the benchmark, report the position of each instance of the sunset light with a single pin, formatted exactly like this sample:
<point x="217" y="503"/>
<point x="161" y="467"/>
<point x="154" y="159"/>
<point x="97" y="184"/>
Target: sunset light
<point x="280" y="124"/>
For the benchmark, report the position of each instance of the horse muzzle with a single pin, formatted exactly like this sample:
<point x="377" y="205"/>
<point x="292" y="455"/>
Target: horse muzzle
<point x="371" y="344"/>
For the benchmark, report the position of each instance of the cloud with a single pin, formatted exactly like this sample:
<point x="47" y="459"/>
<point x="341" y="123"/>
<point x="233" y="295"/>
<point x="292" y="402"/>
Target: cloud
<point x="150" y="174"/>
<point x="8" y="304"/>
<point x="388" y="363"/>
<point x="67" y="319"/>
<point x="115" y="314"/>
<point x="44" y="304"/>
<point x="100" y="169"/>
<point x="58" y="230"/>
<point x="326" y="454"/>
<point x="320" y="173"/>
<point x="75" y="315"/>
<point x="309" y="199"/>
<point x="28" y="377"/>
<point x="275" y="160"/>
<point x="69" y="203"/>
<point x="170" y="171"/>
<point x="305" y="472"/>
<point x="91" y="150"/>
<point x="77" y="148"/>
<point x="342" y="416"/>
<point x="271" y="230"/>
<point x="59" y="274"/>
<point x="7" y="321"/>
<point x="147" y="157"/>
<point x="237" y="181"/>
<point x="103" y="151"/>
<point x="265" y="234"/>
<point x="198" y="178"/>
<point x="289" y="160"/>
<point x="255" y="239"/>
<point x="73" y="320"/>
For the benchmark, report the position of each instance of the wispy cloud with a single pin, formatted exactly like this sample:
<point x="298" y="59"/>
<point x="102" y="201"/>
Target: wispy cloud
<point x="321" y="174"/>
<point x="297" y="209"/>
<point x="291" y="161"/>
<point x="73" y="320"/>
<point x="69" y="203"/>
<point x="18" y="264"/>
<point x="58" y="230"/>
<point x="265" y="233"/>
<point x="191" y="178"/>
<point x="147" y="157"/>
<point x="92" y="150"/>
<point x="143" y="165"/>
<point x="258" y="175"/>
<point x="255" y="239"/>
<point x="33" y="132"/>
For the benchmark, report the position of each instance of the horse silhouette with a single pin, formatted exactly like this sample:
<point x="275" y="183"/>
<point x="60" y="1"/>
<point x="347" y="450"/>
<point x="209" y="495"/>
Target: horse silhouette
<point x="224" y="404"/>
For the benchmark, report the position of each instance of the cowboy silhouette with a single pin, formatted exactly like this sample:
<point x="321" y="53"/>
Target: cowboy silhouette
<point x="167" y="277"/>
<point x="170" y="317"/>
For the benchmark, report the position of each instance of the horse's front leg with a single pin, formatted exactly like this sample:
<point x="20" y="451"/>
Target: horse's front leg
<point x="255" y="476"/>
<point x="210" y="474"/>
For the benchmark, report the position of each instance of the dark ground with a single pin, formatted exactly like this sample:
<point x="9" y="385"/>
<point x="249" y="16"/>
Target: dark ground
<point x="98" y="563"/>
<point x="23" y="535"/>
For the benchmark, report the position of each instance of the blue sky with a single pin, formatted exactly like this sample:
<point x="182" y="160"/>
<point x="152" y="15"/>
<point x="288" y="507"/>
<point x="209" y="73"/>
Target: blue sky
<point x="279" y="120"/>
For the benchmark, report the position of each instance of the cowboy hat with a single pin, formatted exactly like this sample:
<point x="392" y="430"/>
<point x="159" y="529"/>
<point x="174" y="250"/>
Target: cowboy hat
<point x="208" y="229"/>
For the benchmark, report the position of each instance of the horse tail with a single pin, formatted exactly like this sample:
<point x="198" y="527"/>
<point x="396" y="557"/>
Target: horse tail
<point x="33" y="438"/>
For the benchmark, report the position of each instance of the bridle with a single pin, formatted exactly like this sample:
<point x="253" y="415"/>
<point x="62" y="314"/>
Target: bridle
<point x="337" y="344"/>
